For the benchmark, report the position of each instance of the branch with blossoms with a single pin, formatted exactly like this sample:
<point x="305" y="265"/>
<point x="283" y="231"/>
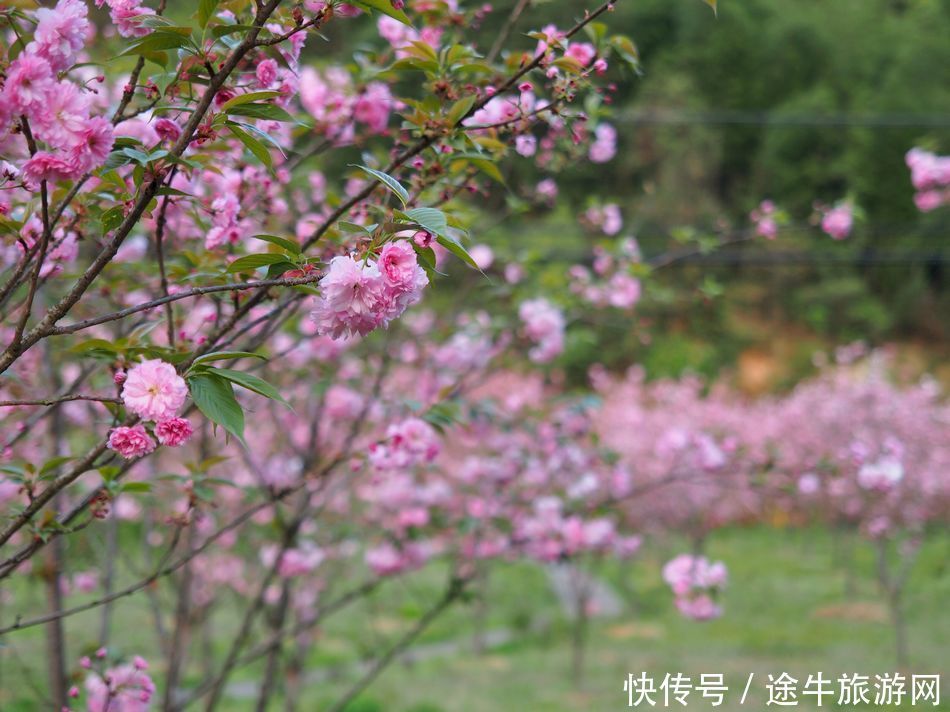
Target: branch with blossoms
<point x="123" y="198"/>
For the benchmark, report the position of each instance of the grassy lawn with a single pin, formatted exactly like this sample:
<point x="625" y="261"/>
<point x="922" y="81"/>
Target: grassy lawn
<point x="786" y="610"/>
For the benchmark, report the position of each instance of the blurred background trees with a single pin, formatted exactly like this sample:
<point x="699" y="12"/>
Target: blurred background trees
<point x="808" y="104"/>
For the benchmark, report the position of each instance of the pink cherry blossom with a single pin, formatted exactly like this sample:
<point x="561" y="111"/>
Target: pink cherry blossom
<point x="544" y="325"/>
<point x="837" y="221"/>
<point x="131" y="441"/>
<point x="352" y="298"/>
<point x="173" y="431"/>
<point x="126" y="688"/>
<point x="60" y="33"/>
<point x="153" y="390"/>
<point x="29" y="81"/>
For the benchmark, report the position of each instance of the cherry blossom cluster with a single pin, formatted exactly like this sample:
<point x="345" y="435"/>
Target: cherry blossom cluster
<point x="696" y="583"/>
<point x="609" y="282"/>
<point x="153" y="391"/>
<point x="64" y="138"/>
<point x="339" y="109"/>
<point x="361" y="294"/>
<point x="125" y="687"/>
<point x="544" y="326"/>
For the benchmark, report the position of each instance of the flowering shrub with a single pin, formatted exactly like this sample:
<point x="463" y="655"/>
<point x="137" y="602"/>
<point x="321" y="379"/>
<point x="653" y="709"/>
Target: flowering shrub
<point x="202" y="228"/>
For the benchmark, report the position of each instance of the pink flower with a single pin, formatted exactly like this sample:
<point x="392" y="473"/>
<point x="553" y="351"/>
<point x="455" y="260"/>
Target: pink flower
<point x="373" y="106"/>
<point x="699" y="608"/>
<point x="351" y="298"/>
<point x="124" y="14"/>
<point x="60" y="33"/>
<point x="544" y="325"/>
<point x="125" y="688"/>
<point x="583" y="52"/>
<point x="94" y="143"/>
<point x="547" y="189"/>
<point x="29" y="80"/>
<point x="526" y="145"/>
<point x="131" y="442"/>
<point x="168" y="130"/>
<point x="385" y="560"/>
<point x="624" y="291"/>
<point x="266" y="72"/>
<point x="604" y="146"/>
<point x="49" y="167"/>
<point x="173" y="431"/>
<point x="65" y="116"/>
<point x="300" y="561"/>
<point x="154" y="391"/>
<point x="482" y="255"/>
<point x="399" y="268"/>
<point x="767" y="228"/>
<point x="837" y="222"/>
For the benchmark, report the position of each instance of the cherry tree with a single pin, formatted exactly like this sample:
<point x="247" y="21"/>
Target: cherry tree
<point x="199" y="235"/>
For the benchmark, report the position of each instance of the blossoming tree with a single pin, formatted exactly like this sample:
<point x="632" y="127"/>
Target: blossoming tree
<point x="196" y="233"/>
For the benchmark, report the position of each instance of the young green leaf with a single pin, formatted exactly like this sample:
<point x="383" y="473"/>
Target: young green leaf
<point x="206" y="9"/>
<point x="289" y="245"/>
<point x="456" y="248"/>
<point x="429" y="218"/>
<point x="227" y="356"/>
<point x="387" y="180"/>
<point x="251" y="262"/>
<point x="248" y="98"/>
<point x="156" y="42"/>
<point x="261" y="111"/>
<point x="252" y="383"/>
<point x="214" y="397"/>
<point x="260" y="151"/>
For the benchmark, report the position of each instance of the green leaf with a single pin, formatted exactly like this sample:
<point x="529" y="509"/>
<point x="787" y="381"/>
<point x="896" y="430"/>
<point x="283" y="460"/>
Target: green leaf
<point x="248" y="98"/>
<point x="387" y="180"/>
<point x="214" y="397"/>
<point x="271" y="112"/>
<point x="460" y="109"/>
<point x="136" y="487"/>
<point x="95" y="345"/>
<point x="429" y="218"/>
<point x="252" y="383"/>
<point x="220" y="31"/>
<point x="260" y="151"/>
<point x="173" y="192"/>
<point x="289" y="245"/>
<point x="385" y="7"/>
<point x="136" y="155"/>
<point x="260" y="135"/>
<point x="278" y="268"/>
<point x="156" y="42"/>
<point x="227" y="355"/>
<point x="50" y="465"/>
<point x="251" y="262"/>
<point x="488" y="167"/>
<point x="456" y="248"/>
<point x="347" y="226"/>
<point x="112" y="218"/>
<point x="206" y="10"/>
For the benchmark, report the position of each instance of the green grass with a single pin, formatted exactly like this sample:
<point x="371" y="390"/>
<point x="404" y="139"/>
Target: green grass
<point x="786" y="610"/>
